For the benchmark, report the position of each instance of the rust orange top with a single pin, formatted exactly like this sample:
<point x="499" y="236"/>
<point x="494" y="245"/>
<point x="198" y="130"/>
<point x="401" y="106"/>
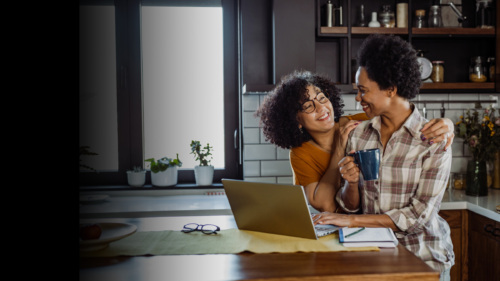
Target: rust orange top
<point x="309" y="162"/>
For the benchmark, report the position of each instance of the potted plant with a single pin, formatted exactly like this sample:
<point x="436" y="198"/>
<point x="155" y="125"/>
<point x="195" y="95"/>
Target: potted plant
<point x="164" y="171"/>
<point x="204" y="172"/>
<point x="136" y="177"/>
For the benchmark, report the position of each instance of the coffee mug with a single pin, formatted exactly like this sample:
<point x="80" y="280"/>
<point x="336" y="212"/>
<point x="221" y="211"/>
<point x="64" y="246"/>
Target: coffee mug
<point x="368" y="162"/>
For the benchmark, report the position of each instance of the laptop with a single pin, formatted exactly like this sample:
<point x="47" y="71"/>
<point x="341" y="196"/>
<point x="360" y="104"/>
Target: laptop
<point x="273" y="208"/>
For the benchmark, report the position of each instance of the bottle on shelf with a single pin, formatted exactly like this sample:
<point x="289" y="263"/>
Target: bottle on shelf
<point x="484" y="14"/>
<point x="477" y="69"/>
<point x="386" y="16"/>
<point x="329" y="14"/>
<point x="402" y="14"/>
<point x="374" y="22"/>
<point x="437" y="75"/>
<point x="435" y="19"/>
<point x="361" y="17"/>
<point x="419" y="21"/>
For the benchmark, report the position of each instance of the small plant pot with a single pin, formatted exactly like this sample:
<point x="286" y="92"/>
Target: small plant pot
<point x="136" y="179"/>
<point x="165" y="178"/>
<point x="204" y="175"/>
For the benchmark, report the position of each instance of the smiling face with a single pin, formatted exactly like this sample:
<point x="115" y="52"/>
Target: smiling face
<point x="374" y="101"/>
<point x="321" y="119"/>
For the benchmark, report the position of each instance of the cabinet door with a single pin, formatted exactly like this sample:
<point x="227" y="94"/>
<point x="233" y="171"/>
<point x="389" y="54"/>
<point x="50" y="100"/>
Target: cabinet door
<point x="484" y="249"/>
<point x="454" y="220"/>
<point x="294" y="36"/>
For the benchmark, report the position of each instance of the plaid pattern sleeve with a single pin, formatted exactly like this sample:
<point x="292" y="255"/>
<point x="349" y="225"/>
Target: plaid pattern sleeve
<point x="411" y="184"/>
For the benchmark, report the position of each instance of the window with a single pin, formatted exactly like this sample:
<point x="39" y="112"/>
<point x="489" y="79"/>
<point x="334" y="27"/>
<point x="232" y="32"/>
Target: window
<point x="185" y="84"/>
<point x="164" y="51"/>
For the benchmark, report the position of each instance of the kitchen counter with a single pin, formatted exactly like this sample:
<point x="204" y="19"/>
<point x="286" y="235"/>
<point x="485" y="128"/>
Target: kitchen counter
<point x="159" y="203"/>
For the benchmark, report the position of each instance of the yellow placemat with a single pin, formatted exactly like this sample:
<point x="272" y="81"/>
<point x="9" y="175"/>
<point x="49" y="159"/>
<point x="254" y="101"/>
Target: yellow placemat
<point x="229" y="241"/>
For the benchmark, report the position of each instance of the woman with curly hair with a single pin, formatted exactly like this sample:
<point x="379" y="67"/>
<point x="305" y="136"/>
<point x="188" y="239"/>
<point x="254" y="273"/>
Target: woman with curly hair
<point x="304" y="113"/>
<point x="413" y="174"/>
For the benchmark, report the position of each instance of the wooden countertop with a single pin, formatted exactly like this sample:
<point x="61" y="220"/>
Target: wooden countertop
<point x="388" y="264"/>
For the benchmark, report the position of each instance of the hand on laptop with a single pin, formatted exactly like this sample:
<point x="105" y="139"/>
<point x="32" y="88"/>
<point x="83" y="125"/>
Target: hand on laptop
<point x="332" y="218"/>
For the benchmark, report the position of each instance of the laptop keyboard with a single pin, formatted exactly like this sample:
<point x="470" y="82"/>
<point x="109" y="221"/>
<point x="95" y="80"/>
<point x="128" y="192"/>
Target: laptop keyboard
<point x="322" y="230"/>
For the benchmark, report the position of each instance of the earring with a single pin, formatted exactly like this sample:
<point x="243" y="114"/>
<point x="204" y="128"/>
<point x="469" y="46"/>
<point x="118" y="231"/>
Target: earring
<point x="301" y="130"/>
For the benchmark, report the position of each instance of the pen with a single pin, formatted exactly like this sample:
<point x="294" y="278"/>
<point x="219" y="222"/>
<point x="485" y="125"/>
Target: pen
<point x="357" y="231"/>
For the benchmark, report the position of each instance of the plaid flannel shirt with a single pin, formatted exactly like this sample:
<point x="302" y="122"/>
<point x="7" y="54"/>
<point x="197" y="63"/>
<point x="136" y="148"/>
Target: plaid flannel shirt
<point x="413" y="177"/>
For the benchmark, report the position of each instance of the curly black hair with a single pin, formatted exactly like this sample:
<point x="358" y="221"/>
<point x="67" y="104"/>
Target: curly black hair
<point x="278" y="111"/>
<point x="391" y="61"/>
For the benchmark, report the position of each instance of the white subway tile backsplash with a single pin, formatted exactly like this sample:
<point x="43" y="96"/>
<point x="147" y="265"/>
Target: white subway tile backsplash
<point x="261" y="179"/>
<point x="251" y="135"/>
<point x="349" y="102"/>
<point x="457" y="147"/>
<point x="249" y="120"/>
<point x="265" y="162"/>
<point x="276" y="168"/>
<point x="250" y="102"/>
<point x="464" y="97"/>
<point x="282" y="153"/>
<point x="459" y="164"/>
<point x="251" y="168"/>
<point x="259" y="152"/>
<point x="434" y="98"/>
<point x="263" y="137"/>
<point x="285" y="180"/>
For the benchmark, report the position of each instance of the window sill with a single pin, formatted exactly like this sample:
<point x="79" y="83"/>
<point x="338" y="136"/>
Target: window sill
<point x="149" y="187"/>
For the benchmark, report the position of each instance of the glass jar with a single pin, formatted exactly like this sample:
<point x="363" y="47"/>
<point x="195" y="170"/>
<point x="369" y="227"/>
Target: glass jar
<point x="435" y="19"/>
<point x="459" y="181"/>
<point x="437" y="75"/>
<point x="419" y="20"/>
<point x="477" y="69"/>
<point x="484" y="14"/>
<point x="386" y="17"/>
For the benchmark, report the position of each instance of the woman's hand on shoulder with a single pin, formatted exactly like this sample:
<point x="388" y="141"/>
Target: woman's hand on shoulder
<point x="344" y="129"/>
<point x="438" y="130"/>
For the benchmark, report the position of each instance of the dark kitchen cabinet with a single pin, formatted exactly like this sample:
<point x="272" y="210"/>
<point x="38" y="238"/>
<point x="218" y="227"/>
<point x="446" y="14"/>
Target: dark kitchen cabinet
<point x="277" y="37"/>
<point x="484" y="248"/>
<point x="457" y="220"/>
<point x="336" y="46"/>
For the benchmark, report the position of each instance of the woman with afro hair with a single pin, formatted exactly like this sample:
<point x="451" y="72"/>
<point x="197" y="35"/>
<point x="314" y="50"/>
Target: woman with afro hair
<point x="413" y="174"/>
<point x="304" y="114"/>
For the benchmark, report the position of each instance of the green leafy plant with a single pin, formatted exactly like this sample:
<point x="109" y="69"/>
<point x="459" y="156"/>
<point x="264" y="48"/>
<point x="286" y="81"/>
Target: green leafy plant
<point x="84" y="150"/>
<point x="481" y="131"/>
<point x="163" y="163"/>
<point x="201" y="153"/>
<point x="137" y="169"/>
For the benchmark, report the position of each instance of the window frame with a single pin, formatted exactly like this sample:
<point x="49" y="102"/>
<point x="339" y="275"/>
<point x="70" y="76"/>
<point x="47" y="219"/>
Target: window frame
<point x="129" y="93"/>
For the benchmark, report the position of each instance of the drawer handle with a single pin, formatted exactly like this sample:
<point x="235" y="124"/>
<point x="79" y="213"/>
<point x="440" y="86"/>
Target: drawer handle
<point x="496" y="232"/>
<point x="489" y="228"/>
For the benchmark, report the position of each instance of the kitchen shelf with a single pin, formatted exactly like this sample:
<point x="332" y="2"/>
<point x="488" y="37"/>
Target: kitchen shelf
<point x="380" y="30"/>
<point x="459" y="86"/>
<point x="450" y="31"/>
<point x="453" y="31"/>
<point x="453" y="86"/>
<point x="333" y="30"/>
<point x="337" y="46"/>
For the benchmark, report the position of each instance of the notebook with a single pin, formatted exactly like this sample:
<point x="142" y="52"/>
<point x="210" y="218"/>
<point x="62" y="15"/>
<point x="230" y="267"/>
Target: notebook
<point x="273" y="208"/>
<point x="369" y="236"/>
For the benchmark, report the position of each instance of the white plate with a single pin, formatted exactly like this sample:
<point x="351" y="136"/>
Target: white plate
<point x="110" y="233"/>
<point x="93" y="198"/>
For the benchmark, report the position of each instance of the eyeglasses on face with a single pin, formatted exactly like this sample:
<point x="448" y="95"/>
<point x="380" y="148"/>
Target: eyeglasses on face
<point x="309" y="106"/>
<point x="204" y="228"/>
